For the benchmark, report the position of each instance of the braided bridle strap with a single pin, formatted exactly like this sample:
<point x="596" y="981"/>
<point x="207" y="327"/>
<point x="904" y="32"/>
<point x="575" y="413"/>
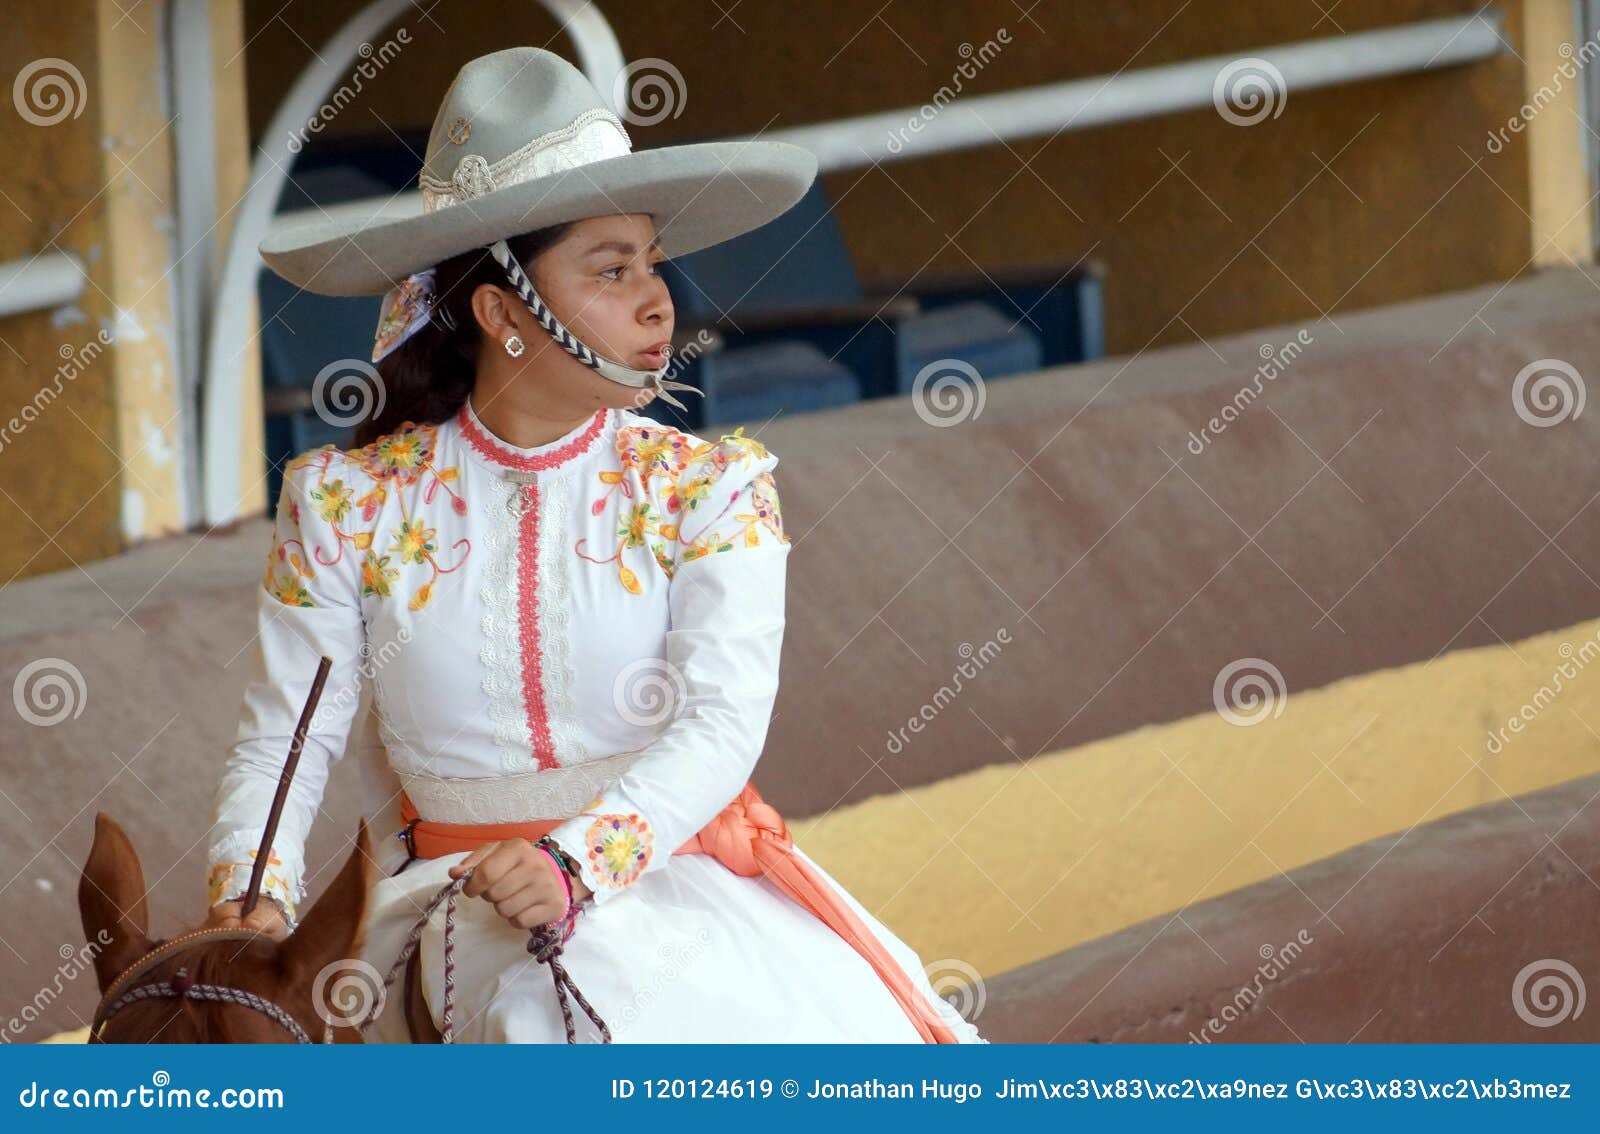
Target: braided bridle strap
<point x="122" y="992"/>
<point x="628" y="376"/>
<point x="545" y="943"/>
<point x="181" y="987"/>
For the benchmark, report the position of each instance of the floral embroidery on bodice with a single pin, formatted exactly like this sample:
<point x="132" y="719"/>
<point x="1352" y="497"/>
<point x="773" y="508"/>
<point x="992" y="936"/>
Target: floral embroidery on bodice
<point x="396" y="461"/>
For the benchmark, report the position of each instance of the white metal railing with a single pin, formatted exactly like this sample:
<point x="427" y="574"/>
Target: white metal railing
<point x="46" y="280"/>
<point x="1082" y="104"/>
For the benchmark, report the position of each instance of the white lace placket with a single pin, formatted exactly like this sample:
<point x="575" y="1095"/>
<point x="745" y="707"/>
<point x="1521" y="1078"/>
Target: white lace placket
<point x="526" y="652"/>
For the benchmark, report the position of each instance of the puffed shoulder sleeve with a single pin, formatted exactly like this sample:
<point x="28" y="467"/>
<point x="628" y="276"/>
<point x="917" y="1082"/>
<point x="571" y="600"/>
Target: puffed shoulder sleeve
<point x="309" y="605"/>
<point x="726" y="556"/>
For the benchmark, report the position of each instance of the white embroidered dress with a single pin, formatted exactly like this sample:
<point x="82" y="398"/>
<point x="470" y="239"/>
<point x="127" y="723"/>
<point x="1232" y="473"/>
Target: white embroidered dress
<point x="602" y="637"/>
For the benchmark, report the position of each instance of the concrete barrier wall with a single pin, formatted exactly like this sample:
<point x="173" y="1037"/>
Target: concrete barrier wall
<point x="1381" y="502"/>
<point x="1483" y="927"/>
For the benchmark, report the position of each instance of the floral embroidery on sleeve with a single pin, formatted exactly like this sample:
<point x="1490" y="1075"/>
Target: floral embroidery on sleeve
<point x="760" y="512"/>
<point x="397" y="460"/>
<point x="619" y="848"/>
<point x="658" y="453"/>
<point x="764" y="511"/>
<point x="235" y="876"/>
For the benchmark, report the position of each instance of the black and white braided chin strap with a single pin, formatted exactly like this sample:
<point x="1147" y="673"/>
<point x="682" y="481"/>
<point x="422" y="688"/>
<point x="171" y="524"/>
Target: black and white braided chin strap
<point x="626" y="375"/>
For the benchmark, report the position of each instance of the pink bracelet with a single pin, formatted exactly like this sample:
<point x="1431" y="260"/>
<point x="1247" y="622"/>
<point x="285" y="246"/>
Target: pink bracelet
<point x="566" y="881"/>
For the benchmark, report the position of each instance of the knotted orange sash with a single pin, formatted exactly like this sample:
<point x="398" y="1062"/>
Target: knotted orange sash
<point x="749" y="837"/>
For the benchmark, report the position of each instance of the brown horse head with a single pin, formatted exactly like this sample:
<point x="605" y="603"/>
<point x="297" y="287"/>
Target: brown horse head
<point x="112" y="902"/>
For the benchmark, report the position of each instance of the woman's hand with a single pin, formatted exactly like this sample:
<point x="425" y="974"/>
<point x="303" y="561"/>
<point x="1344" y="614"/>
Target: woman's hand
<point x="265" y="918"/>
<point x="520" y="880"/>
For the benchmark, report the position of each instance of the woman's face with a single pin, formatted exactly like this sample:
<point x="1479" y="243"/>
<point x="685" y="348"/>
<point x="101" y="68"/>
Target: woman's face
<point x="601" y="281"/>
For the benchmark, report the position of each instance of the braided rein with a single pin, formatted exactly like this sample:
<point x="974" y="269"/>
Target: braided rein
<point x="545" y="943"/>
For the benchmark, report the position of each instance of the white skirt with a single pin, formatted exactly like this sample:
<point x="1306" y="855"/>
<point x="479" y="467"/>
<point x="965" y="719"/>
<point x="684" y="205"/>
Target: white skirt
<point x="691" y="953"/>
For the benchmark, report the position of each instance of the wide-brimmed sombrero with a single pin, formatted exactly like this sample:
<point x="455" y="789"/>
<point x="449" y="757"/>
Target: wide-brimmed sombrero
<point x="522" y="141"/>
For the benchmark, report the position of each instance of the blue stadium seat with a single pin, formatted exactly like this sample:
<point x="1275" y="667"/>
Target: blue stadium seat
<point x="793" y="280"/>
<point x="973" y="333"/>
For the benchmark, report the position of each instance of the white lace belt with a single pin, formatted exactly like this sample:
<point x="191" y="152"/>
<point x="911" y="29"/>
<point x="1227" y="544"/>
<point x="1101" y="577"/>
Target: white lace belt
<point x="553" y="793"/>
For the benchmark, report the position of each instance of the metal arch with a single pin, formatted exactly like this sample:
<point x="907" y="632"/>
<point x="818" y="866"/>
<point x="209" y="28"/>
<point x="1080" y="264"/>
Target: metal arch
<point x="601" y="60"/>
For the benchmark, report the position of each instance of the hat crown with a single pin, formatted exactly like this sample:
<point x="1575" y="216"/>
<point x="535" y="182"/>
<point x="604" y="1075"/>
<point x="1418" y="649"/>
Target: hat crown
<point x="512" y="115"/>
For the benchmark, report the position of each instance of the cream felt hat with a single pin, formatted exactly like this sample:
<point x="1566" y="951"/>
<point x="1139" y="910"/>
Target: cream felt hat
<point x="522" y="141"/>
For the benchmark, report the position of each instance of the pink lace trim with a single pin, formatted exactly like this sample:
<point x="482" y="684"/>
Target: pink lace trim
<point x="544" y="748"/>
<point x="495" y="450"/>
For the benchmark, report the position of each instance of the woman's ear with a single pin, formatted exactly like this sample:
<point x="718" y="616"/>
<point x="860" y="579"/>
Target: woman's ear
<point x="491" y="307"/>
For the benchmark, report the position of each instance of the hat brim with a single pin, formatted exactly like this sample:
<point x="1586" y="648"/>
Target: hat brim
<point x="699" y="194"/>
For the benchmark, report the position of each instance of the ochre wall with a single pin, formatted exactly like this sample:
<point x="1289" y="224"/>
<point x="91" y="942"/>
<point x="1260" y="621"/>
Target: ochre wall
<point x="92" y="458"/>
<point x="1250" y="228"/>
<point x="58" y="474"/>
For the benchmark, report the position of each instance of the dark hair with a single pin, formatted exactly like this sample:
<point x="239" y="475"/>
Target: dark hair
<point x="428" y="377"/>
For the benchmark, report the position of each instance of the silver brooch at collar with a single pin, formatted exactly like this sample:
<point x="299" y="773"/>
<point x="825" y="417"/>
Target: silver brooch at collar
<point x="521" y="501"/>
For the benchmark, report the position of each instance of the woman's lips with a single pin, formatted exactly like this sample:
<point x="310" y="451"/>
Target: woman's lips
<point x="654" y="358"/>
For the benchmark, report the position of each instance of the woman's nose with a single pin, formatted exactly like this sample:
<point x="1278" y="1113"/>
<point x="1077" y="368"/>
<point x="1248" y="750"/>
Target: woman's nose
<point x="658" y="305"/>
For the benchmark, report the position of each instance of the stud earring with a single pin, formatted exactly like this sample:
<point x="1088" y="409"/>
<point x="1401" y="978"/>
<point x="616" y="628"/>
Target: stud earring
<point x="515" y="346"/>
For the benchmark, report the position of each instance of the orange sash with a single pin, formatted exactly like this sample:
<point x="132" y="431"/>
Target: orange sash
<point x="749" y="837"/>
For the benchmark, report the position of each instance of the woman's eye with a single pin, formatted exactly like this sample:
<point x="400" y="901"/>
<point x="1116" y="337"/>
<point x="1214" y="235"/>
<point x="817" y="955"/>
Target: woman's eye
<point x="608" y="271"/>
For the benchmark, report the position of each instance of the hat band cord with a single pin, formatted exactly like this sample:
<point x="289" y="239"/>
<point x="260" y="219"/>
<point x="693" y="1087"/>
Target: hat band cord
<point x="595" y="135"/>
<point x="624" y="375"/>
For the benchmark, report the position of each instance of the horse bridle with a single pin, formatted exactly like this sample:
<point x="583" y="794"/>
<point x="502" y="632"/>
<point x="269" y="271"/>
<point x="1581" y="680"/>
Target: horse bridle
<point x="119" y="995"/>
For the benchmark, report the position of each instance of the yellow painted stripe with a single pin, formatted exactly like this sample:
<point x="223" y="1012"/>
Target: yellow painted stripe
<point x="1013" y="862"/>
